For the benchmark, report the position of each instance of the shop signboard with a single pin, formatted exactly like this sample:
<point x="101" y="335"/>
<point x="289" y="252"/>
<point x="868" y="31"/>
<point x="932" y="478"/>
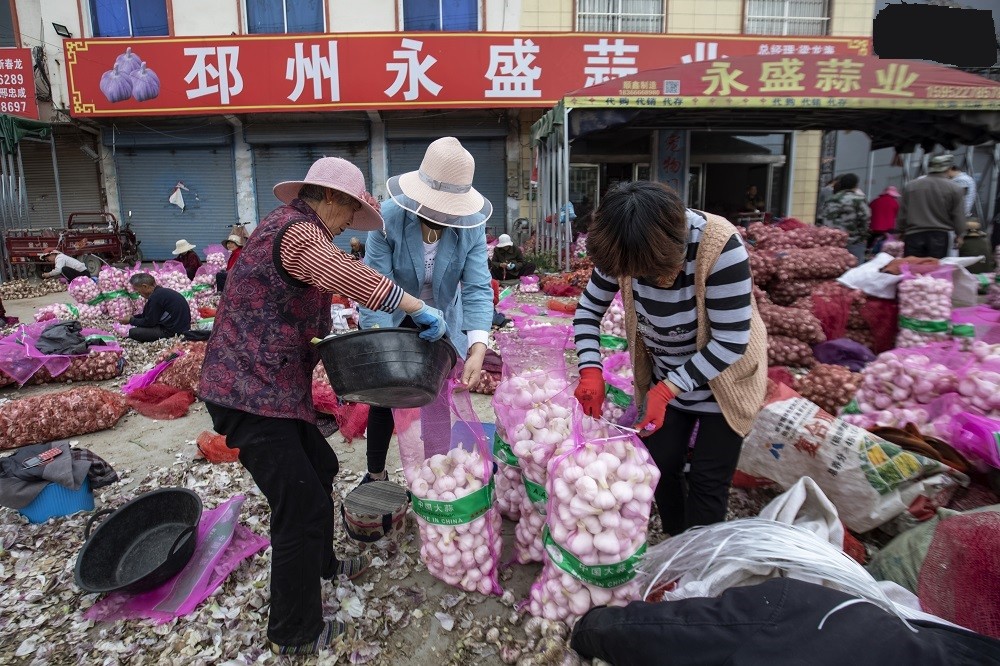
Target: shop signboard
<point x="17" y="84"/>
<point x="365" y="71"/>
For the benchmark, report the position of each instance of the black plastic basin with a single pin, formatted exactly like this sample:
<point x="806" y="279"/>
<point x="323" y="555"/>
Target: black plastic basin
<point x="387" y="367"/>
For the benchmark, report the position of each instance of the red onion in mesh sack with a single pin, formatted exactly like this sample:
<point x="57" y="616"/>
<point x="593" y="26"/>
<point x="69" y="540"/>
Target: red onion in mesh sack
<point x="813" y="263"/>
<point x="60" y="415"/>
<point x="829" y="386"/>
<point x="786" y="292"/>
<point x="791" y="322"/>
<point x="803" y="238"/>
<point x="783" y="350"/>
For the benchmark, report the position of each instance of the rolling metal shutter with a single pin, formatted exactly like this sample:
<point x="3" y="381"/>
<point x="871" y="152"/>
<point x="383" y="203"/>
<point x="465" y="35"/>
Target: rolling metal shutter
<point x="146" y="178"/>
<point x="79" y="179"/>
<point x="491" y="169"/>
<point x="276" y="163"/>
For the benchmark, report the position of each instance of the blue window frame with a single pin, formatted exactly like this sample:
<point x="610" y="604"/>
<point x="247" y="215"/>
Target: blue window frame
<point x="284" y="16"/>
<point x="450" y="15"/>
<point x="129" y="18"/>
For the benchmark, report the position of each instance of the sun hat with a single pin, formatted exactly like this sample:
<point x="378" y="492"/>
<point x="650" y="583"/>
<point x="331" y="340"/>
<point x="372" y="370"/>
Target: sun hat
<point x="441" y="189"/>
<point x="337" y="174"/>
<point x="45" y="253"/>
<point x="504" y="241"/>
<point x="892" y="191"/>
<point x="183" y="246"/>
<point x="940" y="163"/>
<point x="235" y="239"/>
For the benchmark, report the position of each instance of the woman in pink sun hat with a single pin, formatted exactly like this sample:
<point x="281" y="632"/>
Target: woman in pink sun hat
<point x="256" y="380"/>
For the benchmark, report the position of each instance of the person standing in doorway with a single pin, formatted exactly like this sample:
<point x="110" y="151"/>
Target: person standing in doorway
<point x="848" y="211"/>
<point x="754" y="202"/>
<point x="929" y="210"/>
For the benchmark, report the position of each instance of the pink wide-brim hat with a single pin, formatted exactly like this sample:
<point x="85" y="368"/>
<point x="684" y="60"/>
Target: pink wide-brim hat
<point x="337" y="174"/>
<point x="892" y="192"/>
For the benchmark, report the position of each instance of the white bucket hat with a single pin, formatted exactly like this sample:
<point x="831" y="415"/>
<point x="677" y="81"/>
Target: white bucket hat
<point x="504" y="241"/>
<point x="337" y="174"/>
<point x="183" y="246"/>
<point x="235" y="239"/>
<point x="441" y="189"/>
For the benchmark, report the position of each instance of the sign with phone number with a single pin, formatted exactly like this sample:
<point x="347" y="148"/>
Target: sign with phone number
<point x="17" y="84"/>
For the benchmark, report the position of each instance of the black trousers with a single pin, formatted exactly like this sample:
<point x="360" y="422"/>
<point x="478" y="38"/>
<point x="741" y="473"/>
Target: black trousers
<point x="71" y="273"/>
<point x="502" y="273"/>
<point x="293" y="465"/>
<point x="149" y="333"/>
<point x="716" y="451"/>
<point x="220" y="281"/>
<point x="926" y="244"/>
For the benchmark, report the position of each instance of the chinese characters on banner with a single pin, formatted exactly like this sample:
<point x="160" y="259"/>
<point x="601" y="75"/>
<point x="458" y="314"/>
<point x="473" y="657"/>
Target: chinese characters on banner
<point x="671" y="159"/>
<point x="799" y="81"/>
<point x="17" y="84"/>
<point x="385" y="71"/>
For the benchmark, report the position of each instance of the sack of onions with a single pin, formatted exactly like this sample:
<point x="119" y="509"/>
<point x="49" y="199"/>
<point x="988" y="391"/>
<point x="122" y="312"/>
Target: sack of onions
<point x="812" y="263"/>
<point x="924" y="307"/>
<point x="783" y="350"/>
<point x="449" y="472"/>
<point x="791" y="322"/>
<point x="600" y="495"/>
<point x="829" y="386"/>
<point x="787" y="291"/>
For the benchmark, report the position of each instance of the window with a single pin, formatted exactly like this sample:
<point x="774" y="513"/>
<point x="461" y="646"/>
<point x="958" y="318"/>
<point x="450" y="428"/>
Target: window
<point x="619" y="15"/>
<point x="281" y="16"/>
<point x="452" y="15"/>
<point x="7" y="36"/>
<point x="787" y="17"/>
<point x="129" y="18"/>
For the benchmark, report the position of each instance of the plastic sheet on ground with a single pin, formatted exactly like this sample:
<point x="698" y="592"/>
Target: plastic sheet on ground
<point x="20" y="359"/>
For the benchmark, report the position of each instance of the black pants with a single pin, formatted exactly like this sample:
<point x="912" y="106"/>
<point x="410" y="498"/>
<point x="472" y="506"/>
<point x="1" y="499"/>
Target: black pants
<point x="716" y="452"/>
<point x="293" y="465"/>
<point x="149" y="333"/>
<point x="71" y="273"/>
<point x="926" y="244"/>
<point x="503" y="273"/>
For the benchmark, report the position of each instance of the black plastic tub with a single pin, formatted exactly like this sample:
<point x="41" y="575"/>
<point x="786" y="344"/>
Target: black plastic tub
<point x="387" y="367"/>
<point x="142" y="544"/>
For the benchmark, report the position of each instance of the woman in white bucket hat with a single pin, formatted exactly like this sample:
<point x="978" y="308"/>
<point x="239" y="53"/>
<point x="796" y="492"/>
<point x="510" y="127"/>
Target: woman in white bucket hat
<point x="434" y="244"/>
<point x="256" y="380"/>
<point x="185" y="254"/>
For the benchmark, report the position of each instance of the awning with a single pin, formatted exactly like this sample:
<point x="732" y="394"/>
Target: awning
<point x="898" y="103"/>
<point x="13" y="129"/>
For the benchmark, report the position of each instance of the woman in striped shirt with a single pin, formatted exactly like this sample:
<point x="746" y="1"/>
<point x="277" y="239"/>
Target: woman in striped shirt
<point x="698" y="345"/>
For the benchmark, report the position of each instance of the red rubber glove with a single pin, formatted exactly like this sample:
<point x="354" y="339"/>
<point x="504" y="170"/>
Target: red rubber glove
<point x="590" y="391"/>
<point x="654" y="409"/>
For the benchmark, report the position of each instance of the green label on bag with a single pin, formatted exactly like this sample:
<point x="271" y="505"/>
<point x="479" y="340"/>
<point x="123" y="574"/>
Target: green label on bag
<point x="851" y="408"/>
<point x="963" y="330"/>
<point x="458" y="512"/>
<point x="618" y="396"/>
<point x="605" y="575"/>
<point x="503" y="453"/>
<point x="923" y="325"/>
<point x="200" y="287"/>
<point x="107" y="296"/>
<point x="535" y="491"/>
<point x="101" y="338"/>
<point x="613" y="342"/>
<point x="73" y="311"/>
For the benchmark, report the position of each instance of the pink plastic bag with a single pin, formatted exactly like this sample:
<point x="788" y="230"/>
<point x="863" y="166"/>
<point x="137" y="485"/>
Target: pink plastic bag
<point x="222" y="543"/>
<point x="980" y="322"/>
<point x="449" y="470"/>
<point x="600" y="493"/>
<point x="145" y="379"/>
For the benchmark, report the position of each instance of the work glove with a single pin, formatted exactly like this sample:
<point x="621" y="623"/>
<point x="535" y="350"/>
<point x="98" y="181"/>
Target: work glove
<point x="590" y="391"/>
<point x="432" y="322"/>
<point x="654" y="409"/>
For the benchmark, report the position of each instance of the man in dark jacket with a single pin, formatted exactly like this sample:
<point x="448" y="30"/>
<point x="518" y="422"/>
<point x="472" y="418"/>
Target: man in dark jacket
<point x="508" y="261"/>
<point x="931" y="208"/>
<point x="166" y="314"/>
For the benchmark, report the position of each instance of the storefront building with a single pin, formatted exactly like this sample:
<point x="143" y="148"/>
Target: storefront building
<point x="225" y="117"/>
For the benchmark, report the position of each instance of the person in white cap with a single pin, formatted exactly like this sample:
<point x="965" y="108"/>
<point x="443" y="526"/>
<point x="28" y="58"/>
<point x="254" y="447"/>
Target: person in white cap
<point x="434" y="244"/>
<point x="185" y="254"/>
<point x="235" y="245"/>
<point x="508" y="261"/>
<point x="256" y="381"/>
<point x="65" y="266"/>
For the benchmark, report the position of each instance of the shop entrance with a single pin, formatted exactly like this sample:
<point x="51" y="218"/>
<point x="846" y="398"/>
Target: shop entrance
<point x="741" y="177"/>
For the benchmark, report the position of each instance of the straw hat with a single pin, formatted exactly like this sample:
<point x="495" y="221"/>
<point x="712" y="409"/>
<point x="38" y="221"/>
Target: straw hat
<point x="441" y="189"/>
<point x="504" y="241"/>
<point x="337" y="174"/>
<point x="183" y="246"/>
<point x="235" y="239"/>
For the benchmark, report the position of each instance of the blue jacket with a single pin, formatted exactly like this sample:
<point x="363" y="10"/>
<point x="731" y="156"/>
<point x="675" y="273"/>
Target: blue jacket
<point x="461" y="280"/>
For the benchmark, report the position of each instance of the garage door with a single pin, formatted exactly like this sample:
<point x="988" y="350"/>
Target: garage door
<point x="491" y="173"/>
<point x="146" y="178"/>
<point x="79" y="179"/>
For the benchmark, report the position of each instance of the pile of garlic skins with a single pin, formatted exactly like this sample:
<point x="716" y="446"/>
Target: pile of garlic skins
<point x="600" y="496"/>
<point x="924" y="310"/>
<point x="460" y="542"/>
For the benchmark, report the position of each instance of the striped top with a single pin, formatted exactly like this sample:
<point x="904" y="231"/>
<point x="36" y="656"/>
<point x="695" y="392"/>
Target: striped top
<point x="668" y="320"/>
<point x="308" y="254"/>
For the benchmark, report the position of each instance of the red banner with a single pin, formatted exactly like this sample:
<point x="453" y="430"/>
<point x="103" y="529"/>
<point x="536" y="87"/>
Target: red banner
<point x="368" y="71"/>
<point x="799" y="81"/>
<point x="17" y="84"/>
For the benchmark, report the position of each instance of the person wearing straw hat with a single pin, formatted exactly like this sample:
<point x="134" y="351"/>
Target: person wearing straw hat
<point x="65" y="266"/>
<point x="185" y="254"/>
<point x="256" y="380"/>
<point x="508" y="261"/>
<point x="434" y="244"/>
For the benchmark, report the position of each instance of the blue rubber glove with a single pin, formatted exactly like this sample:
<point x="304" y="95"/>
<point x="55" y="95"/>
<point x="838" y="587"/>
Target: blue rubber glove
<point x="432" y="321"/>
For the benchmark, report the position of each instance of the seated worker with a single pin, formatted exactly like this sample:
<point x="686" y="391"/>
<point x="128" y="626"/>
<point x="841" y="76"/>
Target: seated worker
<point x="67" y="267"/>
<point x="185" y="254"/>
<point x="508" y="261"/>
<point x="166" y="314"/>
<point x="357" y="248"/>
